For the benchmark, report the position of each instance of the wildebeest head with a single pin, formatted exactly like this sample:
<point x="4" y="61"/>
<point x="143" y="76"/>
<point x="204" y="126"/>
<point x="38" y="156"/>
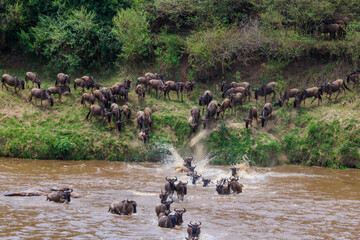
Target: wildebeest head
<point x="133" y="203"/>
<point x="65" y="194"/>
<point x="195" y="177"/>
<point x="187" y="161"/>
<point x="195" y="230"/>
<point x="206" y="181"/>
<point x="178" y="216"/>
<point x="171" y="182"/>
<point x="191" y="168"/>
<point x="233" y="171"/>
<point x="163" y="196"/>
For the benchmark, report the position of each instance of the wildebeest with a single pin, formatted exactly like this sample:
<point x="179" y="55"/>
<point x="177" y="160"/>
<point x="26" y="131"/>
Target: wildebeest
<point x="60" y="196"/>
<point x="143" y="80"/>
<point x="191" y="169"/>
<point x="154" y="76"/>
<point x="181" y="190"/>
<point x="265" y="90"/>
<point x="163" y="196"/>
<point x="265" y="113"/>
<point x="62" y="79"/>
<point x="231" y="91"/>
<point x="189" y="87"/>
<point x="15" y="82"/>
<point x="165" y="205"/>
<point x="195" y="118"/>
<point x="187" y="161"/>
<point x="30" y="76"/>
<point x="234" y="171"/>
<point x="354" y="77"/>
<point x="140" y="91"/>
<point x="79" y="82"/>
<point x="315" y="92"/>
<point x="40" y="192"/>
<point x="87" y="97"/>
<point x="125" y="84"/>
<point x="335" y="86"/>
<point x="42" y="94"/>
<point x="235" y="186"/>
<point x="205" y="99"/>
<point x="120" y="91"/>
<point x="173" y="86"/>
<point x="148" y="116"/>
<point x="193" y="231"/>
<point x="99" y="110"/>
<point x="116" y="112"/>
<point x="157" y="85"/>
<point x="100" y="97"/>
<point x="90" y="83"/>
<point x="252" y="114"/>
<point x="125" y="207"/>
<point x="144" y="135"/>
<point x="332" y="28"/>
<point x="171" y="221"/>
<point x="140" y="118"/>
<point x="108" y="96"/>
<point x="224" y="105"/>
<point x="126" y="111"/>
<point x="211" y="110"/>
<point x="287" y="95"/>
<point x="206" y="181"/>
<point x="226" y="86"/>
<point x="236" y="100"/>
<point x="221" y="189"/>
<point x="194" y="177"/>
<point x="170" y="186"/>
<point x="59" y="90"/>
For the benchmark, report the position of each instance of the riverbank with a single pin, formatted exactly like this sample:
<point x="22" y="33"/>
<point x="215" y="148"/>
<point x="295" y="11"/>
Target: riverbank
<point x="326" y="136"/>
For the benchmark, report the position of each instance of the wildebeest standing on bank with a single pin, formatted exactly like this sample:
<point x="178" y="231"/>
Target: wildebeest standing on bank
<point x="287" y="95"/>
<point x="87" y="97"/>
<point x="79" y="82"/>
<point x="171" y="221"/>
<point x="148" y="116"/>
<point x="59" y="90"/>
<point x="124" y="207"/>
<point x="126" y="111"/>
<point x="42" y="94"/>
<point x="195" y="118"/>
<point x="189" y="87"/>
<point x="231" y="91"/>
<point x="15" y="82"/>
<point x="108" y="96"/>
<point x="90" y="83"/>
<point x="205" y="99"/>
<point x="99" y="110"/>
<point x="193" y="230"/>
<point x="211" y="110"/>
<point x="236" y="100"/>
<point x="265" y="113"/>
<point x="315" y="92"/>
<point x="60" y="196"/>
<point x="354" y="77"/>
<point x="265" y="90"/>
<point x="30" y="76"/>
<point x="100" y="97"/>
<point x="157" y="85"/>
<point x="140" y="91"/>
<point x="140" y="118"/>
<point x="224" y="105"/>
<point x="144" y="135"/>
<point x="62" y="79"/>
<point x="226" y="86"/>
<point x="333" y="28"/>
<point x="116" y="112"/>
<point x="335" y="86"/>
<point x="173" y="86"/>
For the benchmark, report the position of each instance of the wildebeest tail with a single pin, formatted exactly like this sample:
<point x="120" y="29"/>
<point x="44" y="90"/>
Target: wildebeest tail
<point x="348" y="78"/>
<point x="87" y="116"/>
<point x="346" y="87"/>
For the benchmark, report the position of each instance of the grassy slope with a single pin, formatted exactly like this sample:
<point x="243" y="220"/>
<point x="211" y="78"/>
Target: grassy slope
<point x="327" y="135"/>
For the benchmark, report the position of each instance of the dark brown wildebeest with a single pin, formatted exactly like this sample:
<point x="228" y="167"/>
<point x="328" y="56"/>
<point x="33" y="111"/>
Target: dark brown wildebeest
<point x="173" y="86"/>
<point x="170" y="221"/>
<point x="87" y="97"/>
<point x="165" y="205"/>
<point x="116" y="112"/>
<point x="354" y="77"/>
<point x="170" y="186"/>
<point x="59" y="90"/>
<point x="125" y="84"/>
<point x="30" y="76"/>
<point x="60" y="196"/>
<point x="41" y="192"/>
<point x="126" y="111"/>
<point x="140" y="91"/>
<point x="124" y="207"/>
<point x="315" y="92"/>
<point x="100" y="97"/>
<point x="224" y="105"/>
<point x="265" y="113"/>
<point x="234" y="91"/>
<point x="195" y="118"/>
<point x="163" y="196"/>
<point x="287" y="95"/>
<point x="157" y="85"/>
<point x="120" y="91"/>
<point x="193" y="231"/>
<point x="79" y="82"/>
<point x="62" y="79"/>
<point x="221" y="189"/>
<point x="189" y="87"/>
<point x="332" y="28"/>
<point x="181" y="190"/>
<point x="335" y="86"/>
<point x="194" y="176"/>
<point x="206" y="181"/>
<point x="252" y="114"/>
<point x="42" y="94"/>
<point x="90" y="83"/>
<point x="265" y="90"/>
<point x="226" y="86"/>
<point x="140" y="118"/>
<point x="234" y="171"/>
<point x="99" y="110"/>
<point x="205" y="99"/>
<point x="211" y="110"/>
<point x="148" y="116"/>
<point x="15" y="82"/>
<point x="144" y="135"/>
<point x="108" y="96"/>
<point x="235" y="186"/>
<point x="187" y="161"/>
<point x="150" y="76"/>
<point x="236" y="100"/>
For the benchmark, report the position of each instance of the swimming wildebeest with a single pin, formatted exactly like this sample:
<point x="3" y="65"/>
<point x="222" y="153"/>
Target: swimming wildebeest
<point x="30" y="76"/>
<point x="191" y="169"/>
<point x="157" y="85"/>
<point x="205" y="99"/>
<point x="87" y="97"/>
<point x="211" y="110"/>
<point x="79" y="82"/>
<point x="171" y="221"/>
<point x="125" y="207"/>
<point x="187" y="161"/>
<point x="287" y="95"/>
<point x="165" y="205"/>
<point x="163" y="196"/>
<point x="116" y="112"/>
<point x="221" y="189"/>
<point x="235" y="186"/>
<point x="60" y="196"/>
<point x="335" y="86"/>
<point x="59" y="90"/>
<point x="99" y="110"/>
<point x="195" y="118"/>
<point x="231" y="91"/>
<point x="100" y="97"/>
<point x="181" y="190"/>
<point x="140" y="91"/>
<point x="42" y="94"/>
<point x="15" y="82"/>
<point x="236" y="100"/>
<point x="170" y="186"/>
<point x="63" y="79"/>
<point x="193" y="231"/>
<point x="194" y="177"/>
<point x="224" y="105"/>
<point x="252" y="114"/>
<point x="226" y="86"/>
<point x="315" y="92"/>
<point x="148" y="116"/>
<point x="234" y="171"/>
<point x="40" y="192"/>
<point x="189" y="87"/>
<point x="265" y="90"/>
<point x="126" y="111"/>
<point x="140" y="118"/>
<point x="144" y="135"/>
<point x="206" y="181"/>
<point x="354" y="77"/>
<point x="265" y="113"/>
<point x="173" y="86"/>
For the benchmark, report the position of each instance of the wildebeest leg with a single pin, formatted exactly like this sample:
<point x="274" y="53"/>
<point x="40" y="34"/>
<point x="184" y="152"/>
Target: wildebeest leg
<point x="274" y="95"/>
<point x="313" y="100"/>
<point x="41" y="101"/>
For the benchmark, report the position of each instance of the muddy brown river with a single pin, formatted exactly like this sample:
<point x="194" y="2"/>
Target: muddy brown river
<point x="288" y="202"/>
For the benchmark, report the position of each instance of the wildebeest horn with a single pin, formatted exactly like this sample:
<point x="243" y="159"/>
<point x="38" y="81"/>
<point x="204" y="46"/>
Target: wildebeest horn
<point x="175" y="178"/>
<point x="167" y="179"/>
<point x="199" y="223"/>
<point x="184" y="210"/>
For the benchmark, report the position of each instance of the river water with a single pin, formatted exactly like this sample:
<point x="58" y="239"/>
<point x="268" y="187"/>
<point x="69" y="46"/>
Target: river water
<point x="287" y="202"/>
